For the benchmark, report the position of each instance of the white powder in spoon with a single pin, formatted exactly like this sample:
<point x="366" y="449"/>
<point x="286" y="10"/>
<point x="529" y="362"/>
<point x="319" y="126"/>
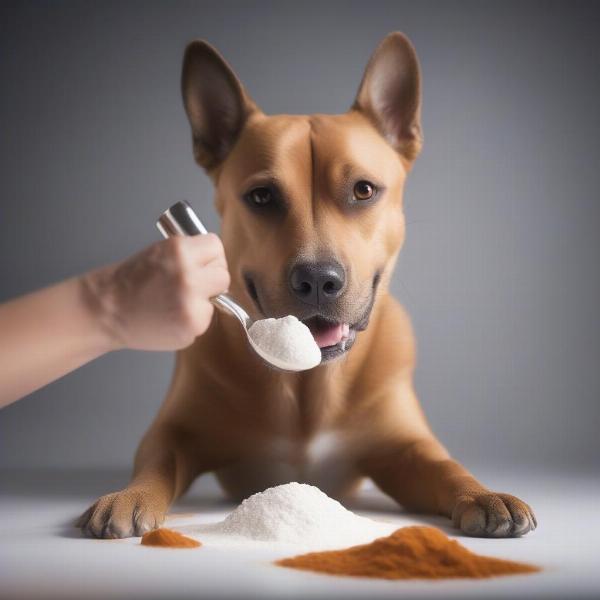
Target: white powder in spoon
<point x="287" y="343"/>
<point x="294" y="514"/>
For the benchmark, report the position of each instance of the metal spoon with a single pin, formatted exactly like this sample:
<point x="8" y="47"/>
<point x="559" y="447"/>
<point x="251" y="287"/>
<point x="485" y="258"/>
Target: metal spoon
<point x="181" y="219"/>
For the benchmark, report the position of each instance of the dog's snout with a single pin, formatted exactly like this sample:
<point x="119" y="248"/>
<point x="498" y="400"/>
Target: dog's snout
<point x="317" y="283"/>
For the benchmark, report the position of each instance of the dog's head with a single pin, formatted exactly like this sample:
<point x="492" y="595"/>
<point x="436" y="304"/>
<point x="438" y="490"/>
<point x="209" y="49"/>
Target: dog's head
<point x="311" y="206"/>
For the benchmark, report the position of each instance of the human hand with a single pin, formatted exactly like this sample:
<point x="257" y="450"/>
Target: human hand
<point x="159" y="299"/>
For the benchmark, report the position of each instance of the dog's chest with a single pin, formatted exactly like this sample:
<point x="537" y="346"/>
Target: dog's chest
<point x="312" y="455"/>
<point x="299" y="432"/>
<point x="324" y="460"/>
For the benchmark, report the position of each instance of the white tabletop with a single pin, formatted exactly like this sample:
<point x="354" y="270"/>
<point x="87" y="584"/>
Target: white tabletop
<point x="42" y="556"/>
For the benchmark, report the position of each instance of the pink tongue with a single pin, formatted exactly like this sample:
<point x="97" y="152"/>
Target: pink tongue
<point x="331" y="335"/>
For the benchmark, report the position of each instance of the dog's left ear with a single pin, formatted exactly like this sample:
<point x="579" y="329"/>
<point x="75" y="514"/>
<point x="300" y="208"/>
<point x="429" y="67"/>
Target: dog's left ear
<point x="390" y="94"/>
<point x="215" y="101"/>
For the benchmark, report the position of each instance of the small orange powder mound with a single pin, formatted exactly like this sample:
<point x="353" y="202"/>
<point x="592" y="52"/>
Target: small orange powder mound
<point x="167" y="538"/>
<point x="409" y="553"/>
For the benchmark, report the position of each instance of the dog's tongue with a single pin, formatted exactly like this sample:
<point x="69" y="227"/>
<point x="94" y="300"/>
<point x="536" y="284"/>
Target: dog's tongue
<point x="330" y="335"/>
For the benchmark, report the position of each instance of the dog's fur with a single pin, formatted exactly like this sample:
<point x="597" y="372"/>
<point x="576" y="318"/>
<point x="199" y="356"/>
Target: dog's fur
<point x="353" y="417"/>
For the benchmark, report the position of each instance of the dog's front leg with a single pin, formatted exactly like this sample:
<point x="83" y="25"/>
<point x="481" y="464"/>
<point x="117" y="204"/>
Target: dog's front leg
<point x="413" y="467"/>
<point x="164" y="468"/>
<point x="422" y="477"/>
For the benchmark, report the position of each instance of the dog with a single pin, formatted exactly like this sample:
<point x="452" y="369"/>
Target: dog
<point x="312" y="224"/>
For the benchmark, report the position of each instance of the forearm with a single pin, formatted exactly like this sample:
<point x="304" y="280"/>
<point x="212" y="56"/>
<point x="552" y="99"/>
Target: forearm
<point x="155" y="300"/>
<point x="45" y="335"/>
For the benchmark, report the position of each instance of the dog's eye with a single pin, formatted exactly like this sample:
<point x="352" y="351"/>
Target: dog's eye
<point x="364" y="190"/>
<point x="260" y="196"/>
<point x="265" y="200"/>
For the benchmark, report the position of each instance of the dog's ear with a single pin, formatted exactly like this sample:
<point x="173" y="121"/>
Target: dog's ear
<point x="390" y="94"/>
<point x="215" y="102"/>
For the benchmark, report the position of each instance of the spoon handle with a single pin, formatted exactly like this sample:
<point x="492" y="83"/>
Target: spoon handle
<point x="180" y="219"/>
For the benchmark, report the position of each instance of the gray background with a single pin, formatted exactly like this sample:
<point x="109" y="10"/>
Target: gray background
<point x="500" y="266"/>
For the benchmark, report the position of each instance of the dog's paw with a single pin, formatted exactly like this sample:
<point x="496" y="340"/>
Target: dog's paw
<point x="127" y="513"/>
<point x="493" y="515"/>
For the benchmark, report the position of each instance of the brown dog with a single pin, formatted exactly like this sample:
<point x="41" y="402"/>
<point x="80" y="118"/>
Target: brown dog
<point x="312" y="223"/>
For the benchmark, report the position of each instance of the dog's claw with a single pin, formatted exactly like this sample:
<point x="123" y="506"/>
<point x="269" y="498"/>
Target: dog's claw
<point x="128" y="513"/>
<point x="493" y="515"/>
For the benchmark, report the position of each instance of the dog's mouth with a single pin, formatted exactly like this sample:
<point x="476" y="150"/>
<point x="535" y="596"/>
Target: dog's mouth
<point x="333" y="338"/>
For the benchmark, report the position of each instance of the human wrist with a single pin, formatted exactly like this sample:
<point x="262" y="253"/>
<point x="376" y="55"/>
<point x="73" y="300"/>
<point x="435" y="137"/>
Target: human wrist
<point x="98" y="300"/>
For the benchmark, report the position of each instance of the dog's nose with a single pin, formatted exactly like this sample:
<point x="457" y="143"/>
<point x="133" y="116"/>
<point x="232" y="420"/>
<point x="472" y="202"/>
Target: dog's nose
<point x="317" y="283"/>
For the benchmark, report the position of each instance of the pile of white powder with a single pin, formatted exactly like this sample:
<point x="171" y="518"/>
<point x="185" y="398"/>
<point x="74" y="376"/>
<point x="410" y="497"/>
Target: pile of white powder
<point x="287" y="343"/>
<point x="293" y="514"/>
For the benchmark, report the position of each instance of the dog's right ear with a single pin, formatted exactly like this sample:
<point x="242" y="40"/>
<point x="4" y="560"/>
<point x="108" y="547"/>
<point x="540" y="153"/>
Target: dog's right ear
<point x="390" y="94"/>
<point x="215" y="102"/>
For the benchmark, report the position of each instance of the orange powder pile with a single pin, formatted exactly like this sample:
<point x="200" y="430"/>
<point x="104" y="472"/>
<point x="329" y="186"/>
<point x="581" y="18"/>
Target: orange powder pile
<point x="167" y="538"/>
<point x="409" y="553"/>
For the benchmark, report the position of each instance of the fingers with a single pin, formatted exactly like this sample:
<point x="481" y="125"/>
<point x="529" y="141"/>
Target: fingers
<point x="163" y="294"/>
<point x="205" y="249"/>
<point x="209" y="281"/>
<point x="189" y="253"/>
<point x="220" y="261"/>
<point x="201" y="264"/>
<point x="212" y="280"/>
